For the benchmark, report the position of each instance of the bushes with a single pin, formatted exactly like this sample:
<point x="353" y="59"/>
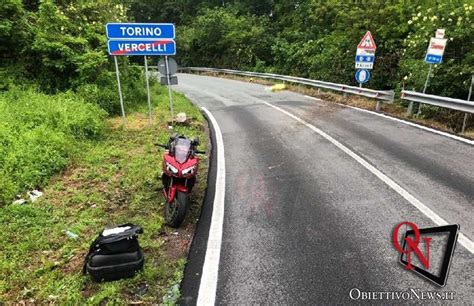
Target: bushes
<point x="221" y="38"/>
<point x="104" y="92"/>
<point x="37" y="135"/>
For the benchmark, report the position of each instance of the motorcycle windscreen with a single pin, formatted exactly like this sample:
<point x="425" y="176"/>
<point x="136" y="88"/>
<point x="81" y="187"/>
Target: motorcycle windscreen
<point x="182" y="148"/>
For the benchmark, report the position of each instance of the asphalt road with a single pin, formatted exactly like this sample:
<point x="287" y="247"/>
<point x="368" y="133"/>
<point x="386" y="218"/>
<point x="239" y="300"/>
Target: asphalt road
<point x="304" y="222"/>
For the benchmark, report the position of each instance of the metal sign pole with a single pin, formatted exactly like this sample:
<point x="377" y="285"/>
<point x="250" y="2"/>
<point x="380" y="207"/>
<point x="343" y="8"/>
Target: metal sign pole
<point x="148" y="89"/>
<point x="468" y="99"/>
<point x="426" y="86"/>
<point x="120" y="90"/>
<point x="169" y="89"/>
<point x="428" y="78"/>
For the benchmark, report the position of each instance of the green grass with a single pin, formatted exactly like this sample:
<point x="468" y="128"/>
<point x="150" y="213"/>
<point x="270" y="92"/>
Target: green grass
<point x="38" y="134"/>
<point x="108" y="181"/>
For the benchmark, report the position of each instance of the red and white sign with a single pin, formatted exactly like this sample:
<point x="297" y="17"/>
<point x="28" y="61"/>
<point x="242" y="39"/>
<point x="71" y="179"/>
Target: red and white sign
<point x="367" y="42"/>
<point x="439" y="33"/>
<point x="437" y="46"/>
<point x="365" y="55"/>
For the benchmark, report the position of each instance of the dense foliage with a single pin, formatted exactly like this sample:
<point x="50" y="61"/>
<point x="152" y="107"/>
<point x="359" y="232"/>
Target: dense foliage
<point x="318" y="38"/>
<point x="37" y="135"/>
<point x="61" y="45"/>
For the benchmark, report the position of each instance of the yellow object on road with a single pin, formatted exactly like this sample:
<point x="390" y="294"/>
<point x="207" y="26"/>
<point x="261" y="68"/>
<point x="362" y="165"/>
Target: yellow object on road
<point x="278" y="87"/>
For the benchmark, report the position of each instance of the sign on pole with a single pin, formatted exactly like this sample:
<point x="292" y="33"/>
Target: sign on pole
<point x="120" y="90"/>
<point x="140" y="30"/>
<point x="434" y="54"/>
<point x="362" y="76"/>
<point x="140" y="39"/>
<point x="439" y="33"/>
<point x="148" y="89"/>
<point x="167" y="67"/>
<point x="141" y="47"/>
<point x="163" y="68"/>
<point x="365" y="55"/>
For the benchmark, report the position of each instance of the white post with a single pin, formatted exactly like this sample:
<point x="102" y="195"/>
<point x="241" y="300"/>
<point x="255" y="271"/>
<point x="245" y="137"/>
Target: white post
<point x="468" y="99"/>
<point x="120" y="90"/>
<point x="148" y="89"/>
<point x="424" y="89"/>
<point x="427" y="78"/>
<point x="169" y="89"/>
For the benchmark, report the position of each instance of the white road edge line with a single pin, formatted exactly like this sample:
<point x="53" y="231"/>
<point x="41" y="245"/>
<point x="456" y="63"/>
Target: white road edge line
<point x="468" y="141"/>
<point x="210" y="270"/>
<point x="463" y="240"/>
<point x="313" y="98"/>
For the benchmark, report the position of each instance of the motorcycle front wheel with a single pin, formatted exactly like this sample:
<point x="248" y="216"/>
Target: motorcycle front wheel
<point x="176" y="211"/>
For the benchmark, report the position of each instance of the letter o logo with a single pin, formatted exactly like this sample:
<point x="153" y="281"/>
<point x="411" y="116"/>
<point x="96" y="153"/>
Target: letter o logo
<point x="350" y="294"/>
<point x="395" y="241"/>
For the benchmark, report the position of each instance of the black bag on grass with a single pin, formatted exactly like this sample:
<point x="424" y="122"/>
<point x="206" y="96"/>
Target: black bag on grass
<point x="115" y="254"/>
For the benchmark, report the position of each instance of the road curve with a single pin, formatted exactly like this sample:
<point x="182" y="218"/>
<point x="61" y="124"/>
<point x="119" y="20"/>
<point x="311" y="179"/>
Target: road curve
<point x="304" y="223"/>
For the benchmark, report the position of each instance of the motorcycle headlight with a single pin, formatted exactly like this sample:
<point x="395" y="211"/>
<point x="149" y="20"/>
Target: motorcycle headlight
<point x="189" y="170"/>
<point x="171" y="168"/>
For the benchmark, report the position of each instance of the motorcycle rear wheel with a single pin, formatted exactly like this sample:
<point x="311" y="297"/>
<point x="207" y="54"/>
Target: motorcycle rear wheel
<point x="175" y="212"/>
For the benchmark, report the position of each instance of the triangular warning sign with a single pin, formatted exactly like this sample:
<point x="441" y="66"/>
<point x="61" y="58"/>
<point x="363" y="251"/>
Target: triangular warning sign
<point x="367" y="42"/>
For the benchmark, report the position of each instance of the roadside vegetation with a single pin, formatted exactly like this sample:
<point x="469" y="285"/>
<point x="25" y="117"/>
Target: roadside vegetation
<point x="61" y="133"/>
<point x="110" y="179"/>
<point x="38" y="134"/>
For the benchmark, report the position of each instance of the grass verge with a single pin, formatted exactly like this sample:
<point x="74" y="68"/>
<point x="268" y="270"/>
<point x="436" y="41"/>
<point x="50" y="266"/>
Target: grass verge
<point x="109" y="181"/>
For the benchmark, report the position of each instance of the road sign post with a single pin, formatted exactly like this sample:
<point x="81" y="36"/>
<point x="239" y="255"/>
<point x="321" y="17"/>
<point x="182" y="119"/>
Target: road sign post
<point x="120" y="90"/>
<point x="428" y="78"/>
<point x="142" y="47"/>
<point x="434" y="55"/>
<point x="468" y="100"/>
<point x="362" y="76"/>
<point x="365" y="54"/>
<point x="364" y="60"/>
<point x="148" y="89"/>
<point x="169" y="88"/>
<point x="145" y="39"/>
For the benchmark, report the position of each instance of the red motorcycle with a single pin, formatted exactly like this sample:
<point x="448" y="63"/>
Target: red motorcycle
<point x="180" y="166"/>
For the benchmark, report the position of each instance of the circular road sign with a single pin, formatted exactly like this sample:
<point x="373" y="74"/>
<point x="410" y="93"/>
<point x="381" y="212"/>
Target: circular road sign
<point x="362" y="76"/>
<point x="172" y="65"/>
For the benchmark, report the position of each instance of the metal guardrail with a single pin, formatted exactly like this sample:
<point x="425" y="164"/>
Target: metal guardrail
<point x="450" y="103"/>
<point x="380" y="95"/>
<point x="384" y="95"/>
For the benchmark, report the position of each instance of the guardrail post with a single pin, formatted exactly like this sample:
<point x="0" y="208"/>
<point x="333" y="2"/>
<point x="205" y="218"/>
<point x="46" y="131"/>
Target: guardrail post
<point x="468" y="99"/>
<point x="464" y="123"/>
<point x="344" y="96"/>
<point x="377" y="106"/>
<point x="410" y="109"/>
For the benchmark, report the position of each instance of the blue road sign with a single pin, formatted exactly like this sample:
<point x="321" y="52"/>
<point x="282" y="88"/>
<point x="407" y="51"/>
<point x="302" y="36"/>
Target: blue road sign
<point x="140" y="31"/>
<point x="142" y="47"/>
<point x="365" y="58"/>
<point x="433" y="59"/>
<point x="362" y="76"/>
